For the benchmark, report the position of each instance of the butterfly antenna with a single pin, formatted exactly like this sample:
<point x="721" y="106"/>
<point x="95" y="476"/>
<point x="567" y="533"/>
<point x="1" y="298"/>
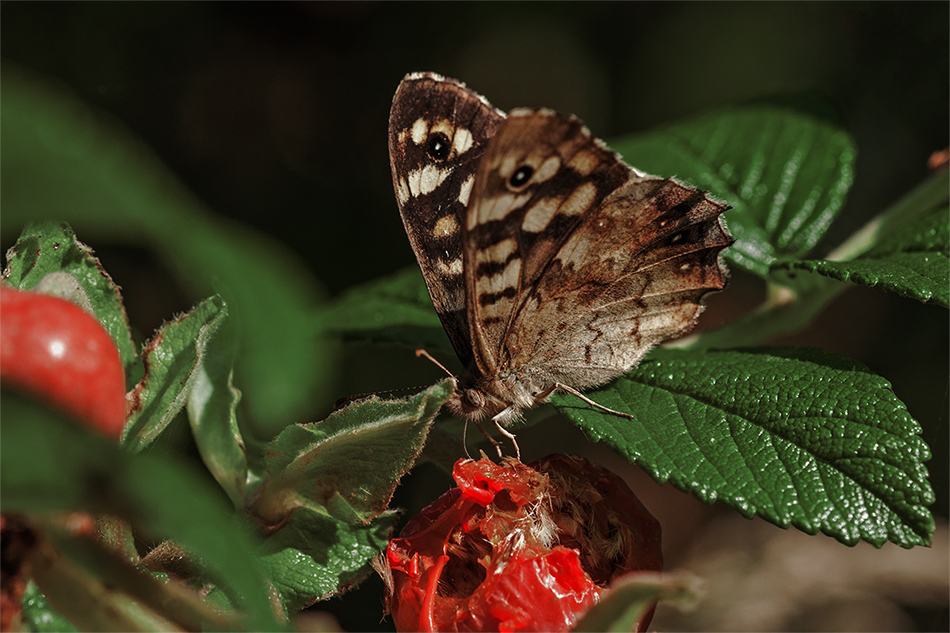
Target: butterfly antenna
<point x="422" y="352"/>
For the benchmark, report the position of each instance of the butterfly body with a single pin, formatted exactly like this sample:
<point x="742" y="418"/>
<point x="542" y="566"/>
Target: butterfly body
<point x="552" y="264"/>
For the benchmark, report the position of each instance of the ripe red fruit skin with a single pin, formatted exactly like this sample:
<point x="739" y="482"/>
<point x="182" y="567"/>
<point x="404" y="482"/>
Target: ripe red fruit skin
<point x="56" y="352"/>
<point x="516" y="548"/>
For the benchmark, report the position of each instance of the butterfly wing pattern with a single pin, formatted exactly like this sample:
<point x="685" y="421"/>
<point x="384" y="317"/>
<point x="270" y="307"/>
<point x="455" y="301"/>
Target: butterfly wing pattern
<point x="438" y="131"/>
<point x="573" y="264"/>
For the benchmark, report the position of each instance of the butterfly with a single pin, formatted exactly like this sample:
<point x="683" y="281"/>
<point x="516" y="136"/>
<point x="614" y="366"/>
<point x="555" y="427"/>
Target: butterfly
<point x="552" y="264"/>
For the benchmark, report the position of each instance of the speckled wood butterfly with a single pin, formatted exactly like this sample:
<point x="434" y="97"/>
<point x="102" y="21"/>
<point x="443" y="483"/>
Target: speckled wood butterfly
<point x="552" y="264"/>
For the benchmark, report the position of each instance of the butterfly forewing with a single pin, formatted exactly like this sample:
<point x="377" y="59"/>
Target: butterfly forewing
<point x="438" y="131"/>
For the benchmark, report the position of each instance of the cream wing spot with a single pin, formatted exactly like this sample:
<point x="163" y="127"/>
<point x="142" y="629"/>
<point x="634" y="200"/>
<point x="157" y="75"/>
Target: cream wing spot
<point x="402" y="191"/>
<point x="427" y="179"/>
<point x="452" y="268"/>
<point x="580" y="199"/>
<point x="498" y="208"/>
<point x="584" y="162"/>
<point x="462" y="141"/>
<point x="420" y="131"/>
<point x="538" y="216"/>
<point x="445" y="226"/>
<point x="499" y="252"/>
<point x="507" y="278"/>
<point x="547" y="169"/>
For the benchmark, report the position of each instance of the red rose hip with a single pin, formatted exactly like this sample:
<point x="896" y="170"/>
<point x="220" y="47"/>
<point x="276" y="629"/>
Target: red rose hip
<point x="56" y="352"/>
<point x="518" y="548"/>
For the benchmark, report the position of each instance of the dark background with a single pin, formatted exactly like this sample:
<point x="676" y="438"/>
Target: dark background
<point x="275" y="115"/>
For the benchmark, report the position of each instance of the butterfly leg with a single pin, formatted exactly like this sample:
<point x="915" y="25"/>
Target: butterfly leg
<point x="575" y="392"/>
<point x="493" y="441"/>
<point x="506" y="433"/>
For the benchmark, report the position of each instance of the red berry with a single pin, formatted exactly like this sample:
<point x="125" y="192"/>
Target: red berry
<point x="516" y="548"/>
<point x="56" y="352"/>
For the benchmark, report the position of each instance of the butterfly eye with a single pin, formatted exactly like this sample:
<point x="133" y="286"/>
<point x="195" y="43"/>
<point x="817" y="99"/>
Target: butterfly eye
<point x="438" y="146"/>
<point x="521" y="177"/>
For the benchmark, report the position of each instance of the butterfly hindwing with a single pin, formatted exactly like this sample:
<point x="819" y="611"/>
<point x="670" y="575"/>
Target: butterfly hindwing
<point x="576" y="271"/>
<point x="542" y="173"/>
<point x="438" y="131"/>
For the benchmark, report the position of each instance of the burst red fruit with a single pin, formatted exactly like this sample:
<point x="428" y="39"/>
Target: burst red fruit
<point x="56" y="352"/>
<point x="516" y="548"/>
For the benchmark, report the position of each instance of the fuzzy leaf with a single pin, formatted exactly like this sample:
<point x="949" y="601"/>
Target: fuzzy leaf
<point x="797" y="436"/>
<point x="49" y="258"/>
<point x="212" y="411"/>
<point x="314" y="556"/>
<point x="172" y="359"/>
<point x="348" y="465"/>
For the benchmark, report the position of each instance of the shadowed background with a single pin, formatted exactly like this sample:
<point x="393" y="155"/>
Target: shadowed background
<point x="275" y="115"/>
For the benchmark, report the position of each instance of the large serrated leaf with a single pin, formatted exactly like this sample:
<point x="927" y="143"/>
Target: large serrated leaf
<point x="797" y="436"/>
<point x="48" y="464"/>
<point x="785" y="174"/>
<point x="314" y="556"/>
<point x="913" y="261"/>
<point x="348" y="465"/>
<point x="49" y="258"/>
<point x="172" y="359"/>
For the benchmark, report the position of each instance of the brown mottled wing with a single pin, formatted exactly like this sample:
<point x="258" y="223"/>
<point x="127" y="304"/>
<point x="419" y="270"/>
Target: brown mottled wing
<point x="438" y="131"/>
<point x="579" y="272"/>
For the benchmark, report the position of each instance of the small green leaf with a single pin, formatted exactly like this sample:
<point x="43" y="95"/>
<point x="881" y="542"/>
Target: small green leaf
<point x="630" y="597"/>
<point x="394" y="309"/>
<point x="913" y="261"/>
<point x="48" y="464"/>
<point x="39" y="616"/>
<point x="348" y="465"/>
<point x="212" y="411"/>
<point x="785" y="174"/>
<point x="100" y="590"/>
<point x="172" y="359"/>
<point x="49" y="258"/>
<point x="797" y="436"/>
<point x="314" y="556"/>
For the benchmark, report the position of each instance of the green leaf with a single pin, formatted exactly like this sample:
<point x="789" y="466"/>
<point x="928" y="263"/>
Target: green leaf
<point x="98" y="589"/>
<point x="39" y="616"/>
<point x="393" y="309"/>
<point x="48" y="464"/>
<point x="784" y="172"/>
<point x="913" y="261"/>
<point x="797" y="436"/>
<point x="314" y="556"/>
<point x="172" y="361"/>
<point x="630" y="597"/>
<point x="348" y="465"/>
<point x="50" y="259"/>
<point x="212" y="411"/>
<point x="64" y="160"/>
